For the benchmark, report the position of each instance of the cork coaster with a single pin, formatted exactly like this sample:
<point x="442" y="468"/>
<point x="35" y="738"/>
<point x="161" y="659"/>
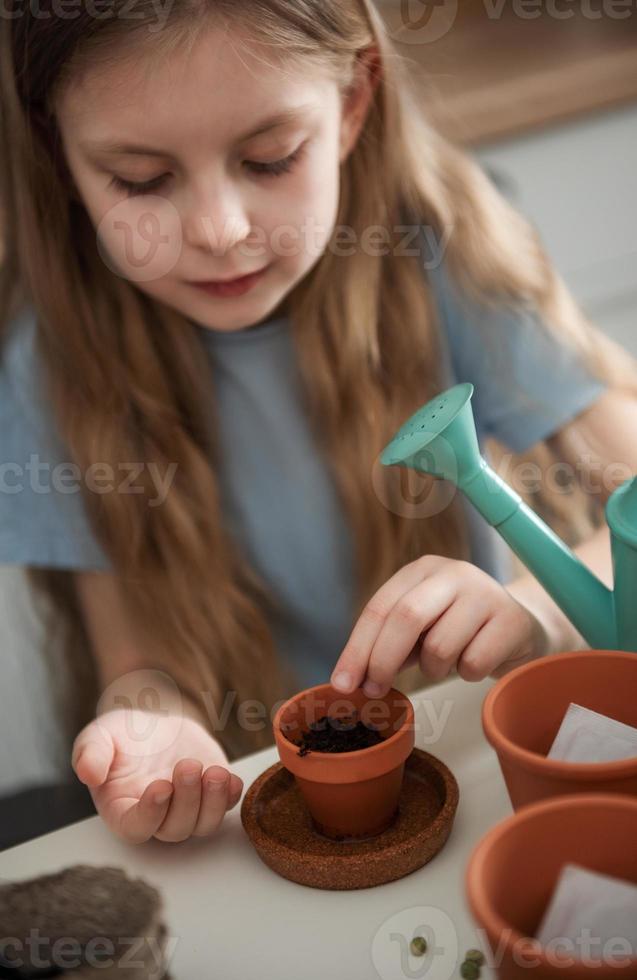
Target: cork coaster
<point x="278" y="823"/>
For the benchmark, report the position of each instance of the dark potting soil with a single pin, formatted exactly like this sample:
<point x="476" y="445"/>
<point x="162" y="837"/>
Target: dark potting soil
<point x="345" y="734"/>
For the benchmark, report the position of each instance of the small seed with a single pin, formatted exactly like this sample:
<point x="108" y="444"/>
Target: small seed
<point x="418" y="946"/>
<point x="476" y="956"/>
<point x="469" y="970"/>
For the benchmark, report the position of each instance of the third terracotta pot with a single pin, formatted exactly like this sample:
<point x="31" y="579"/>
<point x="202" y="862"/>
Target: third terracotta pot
<point x="513" y="871"/>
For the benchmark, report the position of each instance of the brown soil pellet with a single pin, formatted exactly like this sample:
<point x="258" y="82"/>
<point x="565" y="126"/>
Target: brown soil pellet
<point x="347" y="734"/>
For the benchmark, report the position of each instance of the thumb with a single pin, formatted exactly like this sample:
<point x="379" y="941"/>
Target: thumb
<point x="93" y="754"/>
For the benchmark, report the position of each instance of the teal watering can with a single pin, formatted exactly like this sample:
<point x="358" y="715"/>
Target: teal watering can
<point x="440" y="439"/>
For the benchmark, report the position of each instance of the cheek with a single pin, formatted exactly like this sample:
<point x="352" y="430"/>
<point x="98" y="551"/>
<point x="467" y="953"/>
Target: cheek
<point x="140" y="238"/>
<point x="321" y="177"/>
<point x="322" y="195"/>
<point x="309" y="205"/>
<point x="323" y="188"/>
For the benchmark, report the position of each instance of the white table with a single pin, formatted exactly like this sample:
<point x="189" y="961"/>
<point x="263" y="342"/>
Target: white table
<point x="232" y="918"/>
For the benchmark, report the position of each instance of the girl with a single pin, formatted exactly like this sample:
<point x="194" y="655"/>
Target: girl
<point x="190" y="462"/>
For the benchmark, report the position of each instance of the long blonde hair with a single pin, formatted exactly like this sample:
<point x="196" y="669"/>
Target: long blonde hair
<point x="125" y="376"/>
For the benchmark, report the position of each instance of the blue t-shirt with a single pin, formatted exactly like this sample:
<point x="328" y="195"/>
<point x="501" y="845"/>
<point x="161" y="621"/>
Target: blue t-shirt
<point x="278" y="497"/>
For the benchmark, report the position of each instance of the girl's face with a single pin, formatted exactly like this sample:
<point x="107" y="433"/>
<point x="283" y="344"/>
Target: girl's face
<point x="214" y="166"/>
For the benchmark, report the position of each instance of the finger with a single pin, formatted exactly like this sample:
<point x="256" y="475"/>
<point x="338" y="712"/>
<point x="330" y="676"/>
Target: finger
<point x="137" y="820"/>
<point x="351" y="666"/>
<point x="414" y="656"/>
<point x="486" y="650"/>
<point x="183" y="812"/>
<point x="211" y="813"/>
<point x="414" y="612"/>
<point x="214" y="800"/>
<point x="451" y="634"/>
<point x="93" y="753"/>
<point x="235" y="792"/>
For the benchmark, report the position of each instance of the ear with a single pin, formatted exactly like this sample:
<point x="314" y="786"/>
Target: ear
<point x="357" y="102"/>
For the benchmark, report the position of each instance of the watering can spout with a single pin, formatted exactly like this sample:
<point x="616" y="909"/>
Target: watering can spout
<point x="440" y="439"/>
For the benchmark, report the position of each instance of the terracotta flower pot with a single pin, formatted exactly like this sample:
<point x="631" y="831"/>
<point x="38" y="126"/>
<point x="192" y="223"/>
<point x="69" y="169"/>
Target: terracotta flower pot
<point x="512" y="873"/>
<point x="348" y="794"/>
<point x="522" y="713"/>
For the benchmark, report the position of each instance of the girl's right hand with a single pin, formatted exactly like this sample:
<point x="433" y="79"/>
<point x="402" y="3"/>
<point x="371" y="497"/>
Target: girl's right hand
<point x="154" y="774"/>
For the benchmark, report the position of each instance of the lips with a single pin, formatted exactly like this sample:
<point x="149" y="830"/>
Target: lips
<point x="225" y="282"/>
<point x="231" y="287"/>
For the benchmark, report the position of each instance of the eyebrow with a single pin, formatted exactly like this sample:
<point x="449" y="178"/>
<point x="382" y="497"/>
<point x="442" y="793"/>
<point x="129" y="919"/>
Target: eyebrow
<point x="276" y="121"/>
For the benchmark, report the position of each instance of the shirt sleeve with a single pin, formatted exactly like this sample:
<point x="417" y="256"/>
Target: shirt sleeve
<point x="42" y="517"/>
<point x="528" y="383"/>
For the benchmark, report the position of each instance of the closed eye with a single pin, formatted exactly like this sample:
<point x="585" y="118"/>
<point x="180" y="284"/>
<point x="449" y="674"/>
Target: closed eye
<point x="132" y="189"/>
<point x="278" y="167"/>
<point x="275" y="169"/>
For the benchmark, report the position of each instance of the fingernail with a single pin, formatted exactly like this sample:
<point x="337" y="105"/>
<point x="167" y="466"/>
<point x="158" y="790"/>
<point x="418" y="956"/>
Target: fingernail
<point x="163" y="797"/>
<point x="342" y="680"/>
<point x="190" y="778"/>
<point x="372" y="689"/>
<point x="215" y="784"/>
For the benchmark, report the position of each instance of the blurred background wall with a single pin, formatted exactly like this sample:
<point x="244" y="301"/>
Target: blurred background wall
<point x="544" y="92"/>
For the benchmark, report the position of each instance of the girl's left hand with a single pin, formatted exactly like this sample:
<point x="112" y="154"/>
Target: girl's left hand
<point x="444" y="614"/>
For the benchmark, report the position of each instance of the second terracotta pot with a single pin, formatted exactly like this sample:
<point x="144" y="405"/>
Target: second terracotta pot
<point x="350" y="795"/>
<point x="522" y="713"/>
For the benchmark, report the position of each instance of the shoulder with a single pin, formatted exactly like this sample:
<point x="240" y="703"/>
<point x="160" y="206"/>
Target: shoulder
<point x="42" y="519"/>
<point x="529" y="380"/>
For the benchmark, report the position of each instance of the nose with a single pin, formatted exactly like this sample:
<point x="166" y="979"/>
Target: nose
<point x="216" y="219"/>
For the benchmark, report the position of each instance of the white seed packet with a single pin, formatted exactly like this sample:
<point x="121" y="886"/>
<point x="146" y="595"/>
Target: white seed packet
<point x="590" y="916"/>
<point x="586" y="736"/>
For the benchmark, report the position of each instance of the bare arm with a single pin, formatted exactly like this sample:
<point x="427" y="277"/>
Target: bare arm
<point x="117" y="650"/>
